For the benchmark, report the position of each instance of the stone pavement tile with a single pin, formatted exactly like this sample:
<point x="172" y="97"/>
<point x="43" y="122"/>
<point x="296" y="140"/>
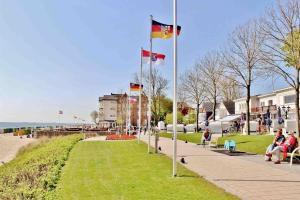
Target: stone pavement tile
<point x="242" y="177"/>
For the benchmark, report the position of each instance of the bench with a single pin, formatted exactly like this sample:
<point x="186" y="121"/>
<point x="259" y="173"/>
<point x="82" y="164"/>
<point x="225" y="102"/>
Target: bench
<point x="293" y="155"/>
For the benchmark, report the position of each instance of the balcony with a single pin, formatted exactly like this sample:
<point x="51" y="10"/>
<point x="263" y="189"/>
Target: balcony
<point x="263" y="109"/>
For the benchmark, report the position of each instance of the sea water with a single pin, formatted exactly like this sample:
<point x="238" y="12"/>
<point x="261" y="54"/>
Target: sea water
<point x="30" y="124"/>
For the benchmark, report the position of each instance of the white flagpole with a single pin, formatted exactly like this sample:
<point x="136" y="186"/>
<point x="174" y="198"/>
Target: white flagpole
<point x="174" y="86"/>
<point x="150" y="82"/>
<point x="129" y="112"/>
<point x="140" y="97"/>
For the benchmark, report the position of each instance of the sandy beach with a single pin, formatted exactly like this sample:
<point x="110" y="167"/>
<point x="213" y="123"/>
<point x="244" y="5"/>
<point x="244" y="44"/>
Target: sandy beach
<point x="10" y="145"/>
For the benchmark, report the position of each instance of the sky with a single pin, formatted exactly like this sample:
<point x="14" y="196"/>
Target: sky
<point x="62" y="55"/>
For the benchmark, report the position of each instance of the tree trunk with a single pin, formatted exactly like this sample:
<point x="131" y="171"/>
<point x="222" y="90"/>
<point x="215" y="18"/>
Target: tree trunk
<point x="159" y="108"/>
<point x="197" y="117"/>
<point x="297" y="101"/>
<point x="215" y="106"/>
<point x="248" y="109"/>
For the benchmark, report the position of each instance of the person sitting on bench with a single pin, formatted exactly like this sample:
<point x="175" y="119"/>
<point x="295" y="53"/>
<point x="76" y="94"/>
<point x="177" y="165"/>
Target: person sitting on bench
<point x="275" y="147"/>
<point x="290" y="144"/>
<point x="206" y="136"/>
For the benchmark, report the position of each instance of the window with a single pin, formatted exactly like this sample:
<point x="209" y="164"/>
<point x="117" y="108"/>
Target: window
<point x="112" y="115"/>
<point x="270" y="102"/>
<point x="262" y="103"/>
<point x="289" y="99"/>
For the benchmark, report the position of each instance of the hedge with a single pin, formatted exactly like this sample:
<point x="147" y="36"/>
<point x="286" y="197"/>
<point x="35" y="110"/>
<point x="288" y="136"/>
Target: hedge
<point x="21" y="132"/>
<point x="34" y="173"/>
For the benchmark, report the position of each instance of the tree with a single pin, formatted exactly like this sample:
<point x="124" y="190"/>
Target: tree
<point x="122" y="109"/>
<point x="281" y="27"/>
<point x="94" y="116"/>
<point x="165" y="107"/>
<point x="190" y="118"/>
<point x="230" y="89"/>
<point x="212" y="71"/>
<point x="243" y="59"/>
<point x="169" y="118"/>
<point x="159" y="86"/>
<point x="192" y="87"/>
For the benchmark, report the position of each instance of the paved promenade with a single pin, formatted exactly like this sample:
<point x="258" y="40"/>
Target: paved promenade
<point x="10" y="145"/>
<point x="248" y="177"/>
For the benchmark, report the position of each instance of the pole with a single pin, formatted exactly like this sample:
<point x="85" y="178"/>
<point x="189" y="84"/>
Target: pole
<point x="126" y="128"/>
<point x="150" y="82"/>
<point x="140" y="97"/>
<point x="129" y="111"/>
<point x="174" y="86"/>
<point x="83" y="130"/>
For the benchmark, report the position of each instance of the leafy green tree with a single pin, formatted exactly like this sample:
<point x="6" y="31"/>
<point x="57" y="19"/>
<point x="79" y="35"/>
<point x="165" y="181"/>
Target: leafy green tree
<point x="290" y="47"/>
<point x="190" y="118"/>
<point x="166" y="105"/>
<point x="169" y="118"/>
<point x="281" y="27"/>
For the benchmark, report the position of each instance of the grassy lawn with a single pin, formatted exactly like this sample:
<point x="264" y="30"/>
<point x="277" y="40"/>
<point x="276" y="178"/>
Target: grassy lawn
<point x="249" y="143"/>
<point x="123" y="170"/>
<point x="190" y="137"/>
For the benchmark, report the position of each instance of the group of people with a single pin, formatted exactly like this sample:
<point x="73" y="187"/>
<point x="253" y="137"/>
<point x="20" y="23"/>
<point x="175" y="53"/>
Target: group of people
<point x="281" y="144"/>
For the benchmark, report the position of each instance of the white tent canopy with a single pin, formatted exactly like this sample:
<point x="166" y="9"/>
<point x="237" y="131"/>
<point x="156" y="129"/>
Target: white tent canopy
<point x="230" y="118"/>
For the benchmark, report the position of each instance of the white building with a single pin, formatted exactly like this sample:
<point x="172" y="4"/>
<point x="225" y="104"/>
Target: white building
<point x="282" y="99"/>
<point x="259" y="104"/>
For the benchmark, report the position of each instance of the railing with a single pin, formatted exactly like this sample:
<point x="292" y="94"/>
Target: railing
<point x="263" y="109"/>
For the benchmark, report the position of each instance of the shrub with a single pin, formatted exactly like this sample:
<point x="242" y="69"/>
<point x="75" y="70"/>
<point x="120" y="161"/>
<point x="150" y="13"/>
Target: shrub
<point x="34" y="173"/>
<point x="8" y="130"/>
<point x="22" y="132"/>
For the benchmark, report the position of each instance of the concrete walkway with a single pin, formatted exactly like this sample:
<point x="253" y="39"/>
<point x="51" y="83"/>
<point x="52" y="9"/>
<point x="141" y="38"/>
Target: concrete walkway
<point x="97" y="138"/>
<point x="247" y="177"/>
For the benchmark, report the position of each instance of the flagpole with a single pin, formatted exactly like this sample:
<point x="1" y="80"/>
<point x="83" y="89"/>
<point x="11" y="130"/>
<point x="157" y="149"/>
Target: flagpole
<point x="174" y="87"/>
<point x="140" y="97"/>
<point x="150" y="82"/>
<point x="127" y="115"/>
<point x="130" y="111"/>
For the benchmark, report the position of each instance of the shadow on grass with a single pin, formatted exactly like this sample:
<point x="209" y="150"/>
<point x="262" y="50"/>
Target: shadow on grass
<point x="195" y="155"/>
<point x="244" y="142"/>
<point x="187" y="176"/>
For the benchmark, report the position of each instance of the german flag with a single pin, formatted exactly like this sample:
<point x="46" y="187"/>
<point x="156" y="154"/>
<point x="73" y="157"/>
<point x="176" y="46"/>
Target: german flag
<point x="163" y="31"/>
<point x="135" y="87"/>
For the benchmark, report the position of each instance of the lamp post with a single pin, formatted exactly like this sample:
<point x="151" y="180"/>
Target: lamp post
<point x="286" y="109"/>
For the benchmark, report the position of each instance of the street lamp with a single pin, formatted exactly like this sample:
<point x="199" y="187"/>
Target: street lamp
<point x="286" y="109"/>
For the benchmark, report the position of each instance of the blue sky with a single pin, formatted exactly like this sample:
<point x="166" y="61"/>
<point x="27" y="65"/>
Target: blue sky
<point x="62" y="55"/>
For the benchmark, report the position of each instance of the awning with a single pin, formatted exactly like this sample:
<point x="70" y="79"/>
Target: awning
<point x="230" y="118"/>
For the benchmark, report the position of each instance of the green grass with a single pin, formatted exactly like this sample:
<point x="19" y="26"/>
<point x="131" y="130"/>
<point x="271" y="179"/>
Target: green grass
<point x="34" y="173"/>
<point x="190" y="137"/>
<point x="249" y="143"/>
<point x="123" y="170"/>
